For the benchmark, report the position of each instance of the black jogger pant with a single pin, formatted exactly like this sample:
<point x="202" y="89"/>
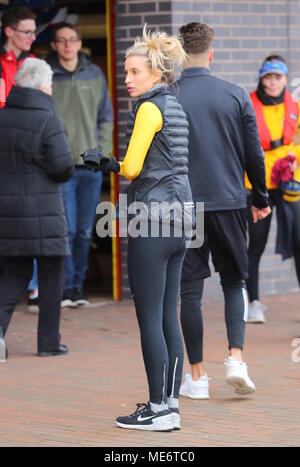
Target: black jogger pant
<point x="225" y="238"/>
<point x="154" y="269"/>
<point x="236" y="314"/>
<point x="16" y="275"/>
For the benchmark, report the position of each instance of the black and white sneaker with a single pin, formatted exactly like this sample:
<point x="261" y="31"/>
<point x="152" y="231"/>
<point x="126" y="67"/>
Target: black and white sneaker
<point x="145" y="419"/>
<point x="68" y="299"/>
<point x="79" y="298"/>
<point x="175" y="419"/>
<point x="33" y="305"/>
<point x="3" y="348"/>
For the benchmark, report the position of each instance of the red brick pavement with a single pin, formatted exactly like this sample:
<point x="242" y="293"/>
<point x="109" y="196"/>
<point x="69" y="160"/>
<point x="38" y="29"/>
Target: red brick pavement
<point x="73" y="400"/>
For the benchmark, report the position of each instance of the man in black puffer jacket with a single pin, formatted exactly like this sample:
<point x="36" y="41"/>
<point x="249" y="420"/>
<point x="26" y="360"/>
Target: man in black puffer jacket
<point x="34" y="160"/>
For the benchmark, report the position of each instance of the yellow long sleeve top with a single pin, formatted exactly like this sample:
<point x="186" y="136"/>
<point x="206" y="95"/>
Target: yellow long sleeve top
<point x="148" y="122"/>
<point x="274" y="116"/>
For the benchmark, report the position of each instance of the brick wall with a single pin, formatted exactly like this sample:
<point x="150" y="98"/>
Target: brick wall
<point x="245" y="32"/>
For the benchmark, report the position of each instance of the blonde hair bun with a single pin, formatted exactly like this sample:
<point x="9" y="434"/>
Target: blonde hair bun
<point x="164" y="53"/>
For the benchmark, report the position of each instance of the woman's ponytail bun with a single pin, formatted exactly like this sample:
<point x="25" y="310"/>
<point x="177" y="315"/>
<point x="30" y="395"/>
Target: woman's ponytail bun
<point x="164" y="53"/>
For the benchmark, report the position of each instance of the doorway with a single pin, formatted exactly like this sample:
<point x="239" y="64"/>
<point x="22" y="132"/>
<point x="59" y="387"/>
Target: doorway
<point x="90" y="16"/>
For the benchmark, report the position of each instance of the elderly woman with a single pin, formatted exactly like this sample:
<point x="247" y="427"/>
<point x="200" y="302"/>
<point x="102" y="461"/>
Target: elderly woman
<point x="34" y="160"/>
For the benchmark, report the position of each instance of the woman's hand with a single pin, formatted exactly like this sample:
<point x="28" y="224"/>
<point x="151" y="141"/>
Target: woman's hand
<point x="260" y="213"/>
<point x="95" y="161"/>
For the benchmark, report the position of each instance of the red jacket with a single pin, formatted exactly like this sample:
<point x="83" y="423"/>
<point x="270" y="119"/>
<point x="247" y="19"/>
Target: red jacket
<point x="9" y="66"/>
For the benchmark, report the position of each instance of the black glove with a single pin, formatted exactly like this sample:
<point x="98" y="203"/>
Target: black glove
<point x="95" y="161"/>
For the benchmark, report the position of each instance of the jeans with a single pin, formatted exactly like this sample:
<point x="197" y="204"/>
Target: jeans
<point x="81" y="196"/>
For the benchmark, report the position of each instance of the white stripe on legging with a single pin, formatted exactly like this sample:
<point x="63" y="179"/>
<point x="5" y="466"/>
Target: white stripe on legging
<point x="246" y="305"/>
<point x="174" y="375"/>
<point x="164" y="380"/>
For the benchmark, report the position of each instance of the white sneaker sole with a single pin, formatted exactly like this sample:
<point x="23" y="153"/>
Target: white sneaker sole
<point x="161" y="424"/>
<point x="258" y="321"/>
<point x="240" y="385"/>
<point x="82" y="302"/>
<point x="2" y="351"/>
<point x="176" y="421"/>
<point x="202" y="397"/>
<point x="33" y="309"/>
<point x="68" y="304"/>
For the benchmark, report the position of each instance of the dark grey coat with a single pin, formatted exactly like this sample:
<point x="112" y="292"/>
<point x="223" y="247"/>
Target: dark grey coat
<point x="224" y="141"/>
<point x="34" y="160"/>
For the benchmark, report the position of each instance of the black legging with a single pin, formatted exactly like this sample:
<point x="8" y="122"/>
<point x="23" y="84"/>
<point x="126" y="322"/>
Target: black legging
<point x="154" y="269"/>
<point x="258" y="237"/>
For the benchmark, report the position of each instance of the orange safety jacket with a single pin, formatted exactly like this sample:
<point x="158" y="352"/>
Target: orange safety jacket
<point x="289" y="125"/>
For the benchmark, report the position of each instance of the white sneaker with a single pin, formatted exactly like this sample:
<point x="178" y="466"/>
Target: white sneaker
<point x="3" y="348"/>
<point x="237" y="376"/>
<point x="175" y="418"/>
<point x="256" y="312"/>
<point x="195" y="389"/>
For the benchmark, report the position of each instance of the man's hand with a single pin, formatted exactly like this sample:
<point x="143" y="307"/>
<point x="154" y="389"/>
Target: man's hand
<point x="259" y="214"/>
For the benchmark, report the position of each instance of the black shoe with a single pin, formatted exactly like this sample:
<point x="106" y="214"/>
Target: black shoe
<point x="3" y="348"/>
<point x="79" y="297"/>
<point x="68" y="299"/>
<point x="145" y="419"/>
<point x="33" y="305"/>
<point x="62" y="350"/>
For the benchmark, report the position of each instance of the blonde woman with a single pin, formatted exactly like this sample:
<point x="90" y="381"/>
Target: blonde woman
<point x="156" y="162"/>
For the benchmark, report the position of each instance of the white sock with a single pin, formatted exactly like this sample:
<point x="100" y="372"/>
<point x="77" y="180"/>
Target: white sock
<point x="173" y="403"/>
<point x="158" y="407"/>
<point x="33" y="294"/>
<point x="202" y="378"/>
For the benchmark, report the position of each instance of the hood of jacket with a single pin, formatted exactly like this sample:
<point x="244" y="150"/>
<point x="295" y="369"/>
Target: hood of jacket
<point x="53" y="61"/>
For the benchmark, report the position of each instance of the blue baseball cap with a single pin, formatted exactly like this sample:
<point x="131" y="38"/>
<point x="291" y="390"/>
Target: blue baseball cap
<point x="277" y="67"/>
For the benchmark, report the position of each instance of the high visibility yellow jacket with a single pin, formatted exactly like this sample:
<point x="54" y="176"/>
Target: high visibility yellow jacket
<point x="274" y="117"/>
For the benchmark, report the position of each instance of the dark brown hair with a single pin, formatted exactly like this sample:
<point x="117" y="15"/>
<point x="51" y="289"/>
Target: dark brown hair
<point x="13" y="16"/>
<point x="197" y="37"/>
<point x="272" y="58"/>
<point x="63" y="25"/>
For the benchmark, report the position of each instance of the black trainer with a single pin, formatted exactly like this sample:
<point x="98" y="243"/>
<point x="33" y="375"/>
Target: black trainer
<point x="145" y="419"/>
<point x="3" y="348"/>
<point x="79" y="298"/>
<point x="62" y="350"/>
<point x="68" y="299"/>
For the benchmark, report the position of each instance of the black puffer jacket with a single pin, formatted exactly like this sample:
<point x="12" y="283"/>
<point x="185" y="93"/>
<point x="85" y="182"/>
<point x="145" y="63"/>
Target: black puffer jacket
<point x="34" y="160"/>
<point x="164" y="176"/>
